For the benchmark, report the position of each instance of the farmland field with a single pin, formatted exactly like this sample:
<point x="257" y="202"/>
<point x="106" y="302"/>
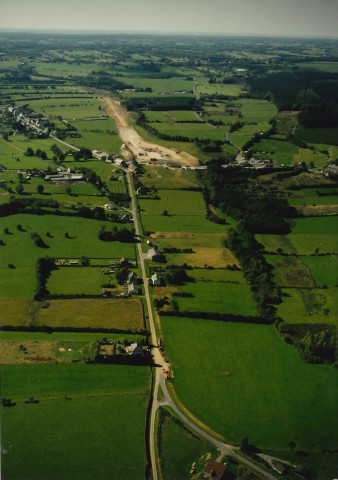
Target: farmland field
<point x="67" y="108"/>
<point x="217" y="297"/>
<point x="289" y="271"/>
<point x="284" y="391"/>
<point x="121" y="314"/>
<point x="172" y="116"/>
<point x="180" y="449"/>
<point x="180" y="223"/>
<point x="72" y="281"/>
<point x="43" y="434"/>
<point x="83" y="241"/>
<point x="176" y="202"/>
<point x="309" y="306"/>
<point x="281" y="152"/>
<point x="230" y="90"/>
<point x="324" y="269"/>
<point x="170" y="179"/>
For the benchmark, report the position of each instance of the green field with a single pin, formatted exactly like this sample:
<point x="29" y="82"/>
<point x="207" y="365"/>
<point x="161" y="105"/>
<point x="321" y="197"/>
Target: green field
<point x="280" y="152"/>
<point x="217" y="297"/>
<point x="176" y="202"/>
<point x="314" y="200"/>
<point x="12" y="153"/>
<point x="67" y="108"/>
<point x="217" y="275"/>
<point x="301" y="244"/>
<point x="72" y="281"/>
<point x="309" y="306"/>
<point x="231" y="90"/>
<point x="269" y="384"/>
<point x="180" y="223"/>
<point x="99" y="426"/>
<point x="327" y="225"/>
<point x="20" y="281"/>
<point x="324" y="269"/>
<point x="330" y="67"/>
<point x="290" y="271"/>
<point x="159" y="85"/>
<point x="172" y="116"/>
<point x="180" y="448"/>
<point x="191" y="130"/>
<point x="159" y="177"/>
<point x="97" y="135"/>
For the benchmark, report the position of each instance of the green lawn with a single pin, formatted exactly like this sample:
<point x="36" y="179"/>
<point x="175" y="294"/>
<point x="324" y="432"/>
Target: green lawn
<point x="271" y="395"/>
<point x="20" y="281"/>
<point x="323" y="268"/>
<point x="309" y="306"/>
<point x="217" y="297"/>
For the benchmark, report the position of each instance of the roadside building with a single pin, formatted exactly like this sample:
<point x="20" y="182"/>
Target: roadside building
<point x="154" y="254"/>
<point x="133" y="289"/>
<point x="134" y="349"/>
<point x="132" y="278"/>
<point x="214" y="470"/>
<point x="155" y="280"/>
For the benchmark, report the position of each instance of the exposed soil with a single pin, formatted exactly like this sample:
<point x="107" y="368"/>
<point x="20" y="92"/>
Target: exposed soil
<point x="136" y="147"/>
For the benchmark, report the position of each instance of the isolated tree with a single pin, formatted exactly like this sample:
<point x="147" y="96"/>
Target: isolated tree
<point x="19" y="188"/>
<point x="243" y="444"/>
<point x="40" y="188"/>
<point x="19" y="227"/>
<point x="29" y="152"/>
<point x="68" y="190"/>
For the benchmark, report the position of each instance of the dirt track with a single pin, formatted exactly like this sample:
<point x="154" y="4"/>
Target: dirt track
<point x="135" y="146"/>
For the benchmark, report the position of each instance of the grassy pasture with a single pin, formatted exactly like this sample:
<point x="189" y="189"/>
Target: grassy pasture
<point x="97" y="135"/>
<point x="289" y="271"/>
<point x="280" y="151"/>
<point x="176" y="202"/>
<point x="191" y="130"/>
<point x="301" y="244"/>
<point x="309" y="306"/>
<point x="217" y="297"/>
<point x="159" y="177"/>
<point x="20" y="382"/>
<point x="171" y="116"/>
<point x="160" y="85"/>
<point x="180" y="223"/>
<point x="71" y="281"/>
<point x="318" y="135"/>
<point x="217" y="275"/>
<point x="67" y="108"/>
<point x="330" y="67"/>
<point x="95" y="313"/>
<point x="232" y="90"/>
<point x="327" y="225"/>
<point x="323" y="268"/>
<point x="268" y="384"/>
<point x="11" y="151"/>
<point x="74" y="426"/>
<point x="204" y="257"/>
<point x="314" y="200"/>
<point x="180" y="449"/>
<point x="308" y="156"/>
<point x="20" y="281"/>
<point x="64" y="337"/>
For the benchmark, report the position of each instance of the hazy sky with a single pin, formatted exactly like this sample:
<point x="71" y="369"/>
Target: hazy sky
<point x="277" y="17"/>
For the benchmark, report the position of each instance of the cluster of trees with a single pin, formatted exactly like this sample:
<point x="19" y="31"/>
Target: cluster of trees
<point x="119" y="235"/>
<point x="228" y="190"/>
<point x="83" y="153"/>
<point x="256" y="270"/>
<point x="58" y="153"/>
<point x="39" y="153"/>
<point x="320" y="347"/>
<point x="175" y="276"/>
<point x="43" y="268"/>
<point x="38" y="241"/>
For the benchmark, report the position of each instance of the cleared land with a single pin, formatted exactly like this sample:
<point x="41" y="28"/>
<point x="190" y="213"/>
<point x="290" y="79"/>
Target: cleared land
<point x="283" y="391"/>
<point x="324" y="269"/>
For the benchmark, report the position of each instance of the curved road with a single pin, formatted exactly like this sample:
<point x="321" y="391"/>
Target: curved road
<point x="160" y="363"/>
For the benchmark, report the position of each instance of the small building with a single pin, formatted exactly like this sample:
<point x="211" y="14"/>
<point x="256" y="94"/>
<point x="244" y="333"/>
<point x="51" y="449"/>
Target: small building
<point x="125" y="218"/>
<point x="133" y="289"/>
<point x="141" y="191"/>
<point x="134" y="349"/>
<point x="124" y="261"/>
<point x="132" y="278"/>
<point x="278" y="467"/>
<point x="132" y="168"/>
<point x="61" y="169"/>
<point x="119" y="162"/>
<point x="149" y="242"/>
<point x="214" y="470"/>
<point x="154" y="254"/>
<point x="155" y="280"/>
<point x="109" y="206"/>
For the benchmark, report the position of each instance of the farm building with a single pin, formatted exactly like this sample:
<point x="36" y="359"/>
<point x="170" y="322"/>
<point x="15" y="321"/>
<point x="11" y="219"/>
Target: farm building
<point x="133" y="289"/>
<point x="132" y="278"/>
<point x="65" y="177"/>
<point x="155" y="280"/>
<point x="214" y="470"/>
<point x="141" y="191"/>
<point x="109" y="206"/>
<point x="154" y="254"/>
<point x="119" y="162"/>
<point x="125" y="218"/>
<point x="98" y="154"/>
<point x="134" y="349"/>
<point x="132" y="168"/>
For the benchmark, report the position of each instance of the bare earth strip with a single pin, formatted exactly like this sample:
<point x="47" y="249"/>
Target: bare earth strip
<point x="135" y="146"/>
